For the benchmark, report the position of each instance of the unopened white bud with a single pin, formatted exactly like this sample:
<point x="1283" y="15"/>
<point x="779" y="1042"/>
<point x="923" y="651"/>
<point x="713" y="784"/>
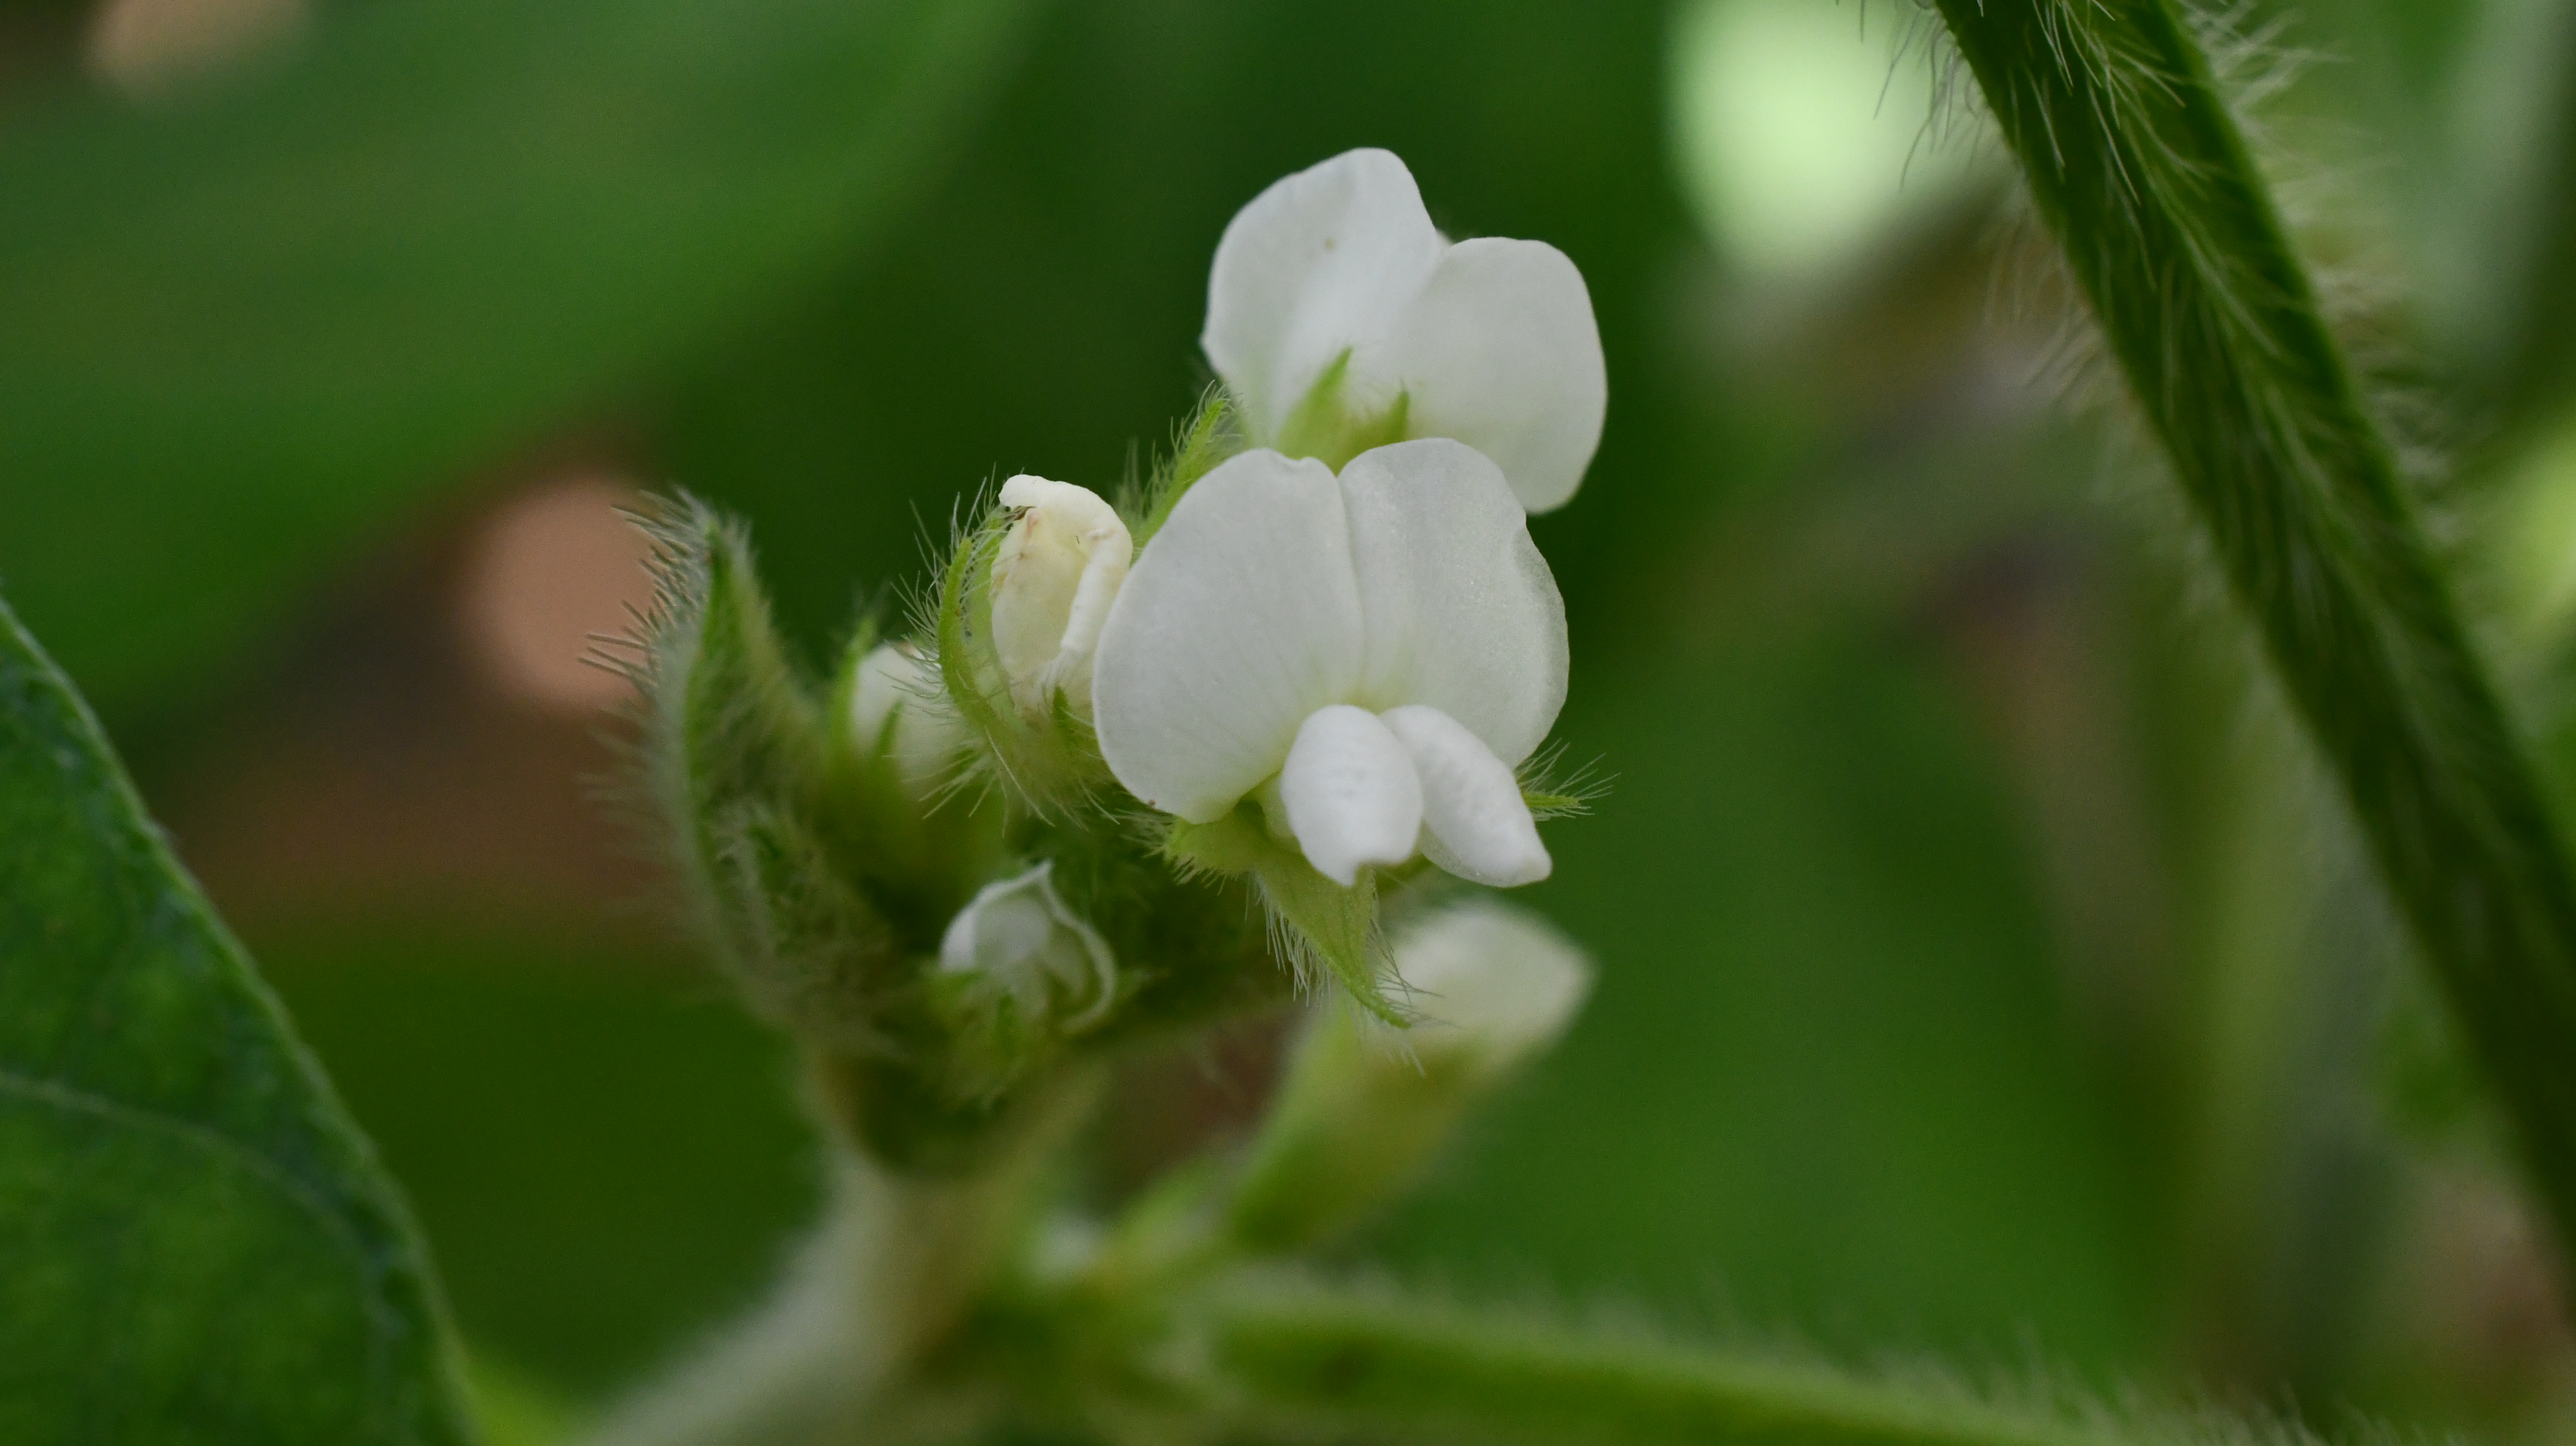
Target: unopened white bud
<point x="1019" y="939"/>
<point x="1492" y="979"/>
<point x="896" y="709"/>
<point x="1358" y="1113"/>
<point x="1054" y="576"/>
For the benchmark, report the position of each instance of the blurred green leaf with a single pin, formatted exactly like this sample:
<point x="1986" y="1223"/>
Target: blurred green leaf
<point x="2539" y="306"/>
<point x="1824" y="1080"/>
<point x="515" y="1410"/>
<point x="604" y="1149"/>
<point x="200" y="1246"/>
<point x="245" y="334"/>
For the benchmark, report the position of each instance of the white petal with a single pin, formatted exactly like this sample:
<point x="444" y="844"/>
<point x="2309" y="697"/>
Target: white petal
<point x="1474" y="821"/>
<point x="889" y="677"/>
<point x="899" y="689"/>
<point x="1351" y="795"/>
<point x="1462" y="612"/>
<point x="1322" y="262"/>
<point x="1503" y="981"/>
<point x="1241" y="618"/>
<point x="1500" y="351"/>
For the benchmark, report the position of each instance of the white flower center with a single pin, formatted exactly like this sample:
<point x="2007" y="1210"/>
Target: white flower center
<point x="1362" y="788"/>
<point x="1371" y="653"/>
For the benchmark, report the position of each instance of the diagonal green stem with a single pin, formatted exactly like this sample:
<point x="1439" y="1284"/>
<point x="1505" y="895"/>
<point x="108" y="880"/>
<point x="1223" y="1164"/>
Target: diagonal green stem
<point x="2539" y="341"/>
<point x="897" y="1267"/>
<point x="1368" y="1367"/>
<point x="2138" y="167"/>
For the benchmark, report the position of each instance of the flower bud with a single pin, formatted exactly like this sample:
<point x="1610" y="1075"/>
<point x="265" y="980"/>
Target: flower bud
<point x="1054" y="575"/>
<point x="1359" y="1114"/>
<point x="1019" y="942"/>
<point x="897" y="714"/>
<point x="1494" y="984"/>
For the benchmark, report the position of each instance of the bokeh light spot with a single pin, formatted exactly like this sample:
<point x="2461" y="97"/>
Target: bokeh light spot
<point x="558" y="567"/>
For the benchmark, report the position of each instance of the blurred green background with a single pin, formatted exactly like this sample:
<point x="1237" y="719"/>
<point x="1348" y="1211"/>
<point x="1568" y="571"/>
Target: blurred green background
<point x="1985" y="973"/>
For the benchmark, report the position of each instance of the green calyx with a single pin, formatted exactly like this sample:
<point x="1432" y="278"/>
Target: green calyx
<point x="1322" y="928"/>
<point x="1211" y="435"/>
<point x="1326" y="427"/>
<point x="826" y="874"/>
<point x="735" y="752"/>
<point x="1049" y="763"/>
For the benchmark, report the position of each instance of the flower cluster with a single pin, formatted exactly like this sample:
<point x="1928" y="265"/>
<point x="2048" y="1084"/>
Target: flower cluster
<point x="1303" y="666"/>
<point x="1362" y="637"/>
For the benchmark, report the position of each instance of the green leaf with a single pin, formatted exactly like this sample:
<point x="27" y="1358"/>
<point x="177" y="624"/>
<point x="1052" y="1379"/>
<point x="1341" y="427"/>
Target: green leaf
<point x="600" y="1144"/>
<point x="515" y="1409"/>
<point x="245" y="334"/>
<point x="200" y="1245"/>
<point x="2139" y="168"/>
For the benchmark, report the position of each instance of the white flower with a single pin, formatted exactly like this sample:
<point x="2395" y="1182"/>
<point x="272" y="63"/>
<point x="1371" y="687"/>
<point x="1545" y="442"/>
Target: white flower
<point x="1335" y="309"/>
<point x="1020" y="939"/>
<point x="1491" y="979"/>
<point x="1387" y="645"/>
<point x="1053" y="577"/>
<point x="895" y="707"/>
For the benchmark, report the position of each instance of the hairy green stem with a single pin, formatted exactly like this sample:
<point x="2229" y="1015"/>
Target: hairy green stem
<point x="1371" y="1367"/>
<point x="2139" y="168"/>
